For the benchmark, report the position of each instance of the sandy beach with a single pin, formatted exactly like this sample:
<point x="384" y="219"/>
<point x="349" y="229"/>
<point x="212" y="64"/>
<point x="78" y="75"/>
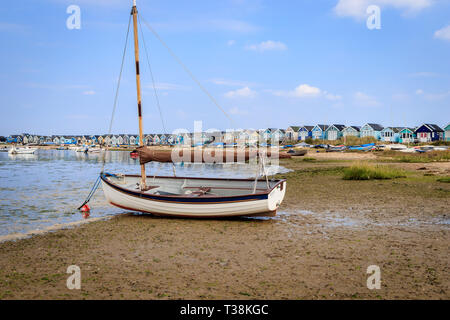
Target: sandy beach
<point x="319" y="246"/>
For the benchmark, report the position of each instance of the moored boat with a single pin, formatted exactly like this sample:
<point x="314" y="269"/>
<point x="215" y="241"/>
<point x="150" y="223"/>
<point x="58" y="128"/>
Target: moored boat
<point x="24" y="150"/>
<point x="195" y="197"/>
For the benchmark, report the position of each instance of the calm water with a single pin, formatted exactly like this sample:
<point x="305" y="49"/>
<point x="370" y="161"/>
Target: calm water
<point x="44" y="189"/>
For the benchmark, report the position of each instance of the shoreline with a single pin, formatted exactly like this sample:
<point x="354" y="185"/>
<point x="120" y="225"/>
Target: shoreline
<point x="327" y="232"/>
<point x="52" y="228"/>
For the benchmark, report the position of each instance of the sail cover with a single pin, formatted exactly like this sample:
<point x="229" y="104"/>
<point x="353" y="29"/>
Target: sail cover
<point x="199" y="155"/>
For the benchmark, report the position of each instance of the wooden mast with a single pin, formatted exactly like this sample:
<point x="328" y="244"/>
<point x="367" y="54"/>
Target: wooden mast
<point x="138" y="87"/>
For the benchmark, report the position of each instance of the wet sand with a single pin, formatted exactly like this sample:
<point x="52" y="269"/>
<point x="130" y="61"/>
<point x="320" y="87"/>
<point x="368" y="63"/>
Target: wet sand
<point x="319" y="246"/>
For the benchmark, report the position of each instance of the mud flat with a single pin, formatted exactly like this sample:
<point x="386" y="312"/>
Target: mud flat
<point x="319" y="246"/>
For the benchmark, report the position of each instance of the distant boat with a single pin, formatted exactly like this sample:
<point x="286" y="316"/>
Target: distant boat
<point x="25" y="150"/>
<point x="396" y="147"/>
<point x="81" y="149"/>
<point x="297" y="152"/>
<point x="336" y="148"/>
<point x="363" y="147"/>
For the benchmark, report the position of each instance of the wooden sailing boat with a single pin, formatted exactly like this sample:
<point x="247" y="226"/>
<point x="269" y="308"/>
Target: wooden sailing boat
<point x="187" y="196"/>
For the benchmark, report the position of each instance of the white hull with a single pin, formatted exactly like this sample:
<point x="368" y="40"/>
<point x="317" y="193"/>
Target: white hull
<point x="14" y="150"/>
<point x="244" y="207"/>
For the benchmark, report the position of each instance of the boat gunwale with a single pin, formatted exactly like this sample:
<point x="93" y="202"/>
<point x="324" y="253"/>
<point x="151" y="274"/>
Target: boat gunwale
<point x="199" y="199"/>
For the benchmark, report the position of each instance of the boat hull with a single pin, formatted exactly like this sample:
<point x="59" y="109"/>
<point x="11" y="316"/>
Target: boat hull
<point x="258" y="204"/>
<point x="22" y="151"/>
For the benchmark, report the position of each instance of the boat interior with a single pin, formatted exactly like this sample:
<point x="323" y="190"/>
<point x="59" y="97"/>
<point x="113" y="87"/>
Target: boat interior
<point x="189" y="187"/>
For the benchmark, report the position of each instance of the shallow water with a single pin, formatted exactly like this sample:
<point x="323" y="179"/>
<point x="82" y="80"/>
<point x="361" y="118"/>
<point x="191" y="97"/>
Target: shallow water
<point x="44" y="189"/>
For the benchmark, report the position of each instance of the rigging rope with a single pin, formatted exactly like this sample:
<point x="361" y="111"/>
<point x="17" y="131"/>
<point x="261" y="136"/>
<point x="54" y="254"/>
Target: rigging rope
<point x="154" y="87"/>
<point x="153" y="78"/>
<point x="97" y="182"/>
<point x="117" y="89"/>
<point x="187" y="70"/>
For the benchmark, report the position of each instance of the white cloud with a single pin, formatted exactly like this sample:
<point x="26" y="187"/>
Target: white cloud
<point x="363" y="100"/>
<point x="443" y="34"/>
<point x="357" y="8"/>
<point x="245" y="92"/>
<point x="332" y="97"/>
<point x="302" y="91"/>
<point x="89" y="93"/>
<point x="419" y="91"/>
<point x="231" y="43"/>
<point x="268" y="45"/>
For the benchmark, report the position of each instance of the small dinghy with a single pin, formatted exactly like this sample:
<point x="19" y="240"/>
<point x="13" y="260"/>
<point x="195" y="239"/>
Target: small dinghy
<point x="194" y="197"/>
<point x="25" y="150"/>
<point x="297" y="152"/>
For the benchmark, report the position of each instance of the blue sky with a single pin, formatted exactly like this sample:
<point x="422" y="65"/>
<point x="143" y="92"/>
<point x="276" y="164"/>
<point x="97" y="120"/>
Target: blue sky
<point x="267" y="63"/>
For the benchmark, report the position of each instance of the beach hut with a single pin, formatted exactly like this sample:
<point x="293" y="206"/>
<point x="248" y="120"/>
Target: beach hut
<point x="148" y="140"/>
<point x="407" y="135"/>
<point x="429" y="132"/>
<point x="278" y="135"/>
<point x="305" y="132"/>
<point x="107" y="140"/>
<point x="351" y="131"/>
<point x="114" y="140"/>
<point x="163" y="139"/>
<point x="266" y="134"/>
<point x="292" y="133"/>
<point x="390" y="134"/>
<point x="334" y="132"/>
<point x="447" y="133"/>
<point x="318" y="132"/>
<point x="253" y="136"/>
<point x="371" y="130"/>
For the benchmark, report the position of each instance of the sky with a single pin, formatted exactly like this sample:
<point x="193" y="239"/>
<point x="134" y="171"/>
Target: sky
<point x="266" y="64"/>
